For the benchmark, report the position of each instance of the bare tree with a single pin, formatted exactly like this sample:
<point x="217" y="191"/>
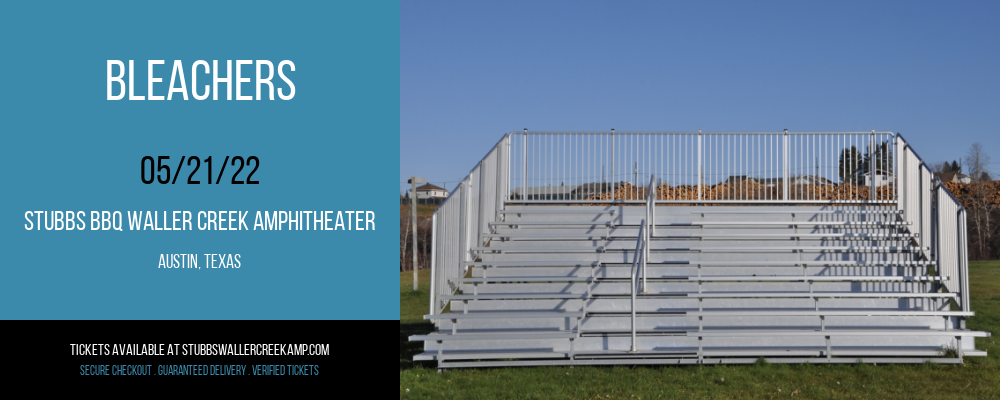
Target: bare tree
<point x="942" y="167"/>
<point x="945" y="166"/>
<point x="981" y="196"/>
<point x="406" y="247"/>
<point x="977" y="161"/>
<point x="424" y="231"/>
<point x="405" y="216"/>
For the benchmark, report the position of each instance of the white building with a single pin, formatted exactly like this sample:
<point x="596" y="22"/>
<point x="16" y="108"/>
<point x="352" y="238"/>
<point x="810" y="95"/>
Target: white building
<point x="882" y="178"/>
<point x="561" y="192"/>
<point x="429" y="191"/>
<point x="953" y="177"/>
<point x="809" y="180"/>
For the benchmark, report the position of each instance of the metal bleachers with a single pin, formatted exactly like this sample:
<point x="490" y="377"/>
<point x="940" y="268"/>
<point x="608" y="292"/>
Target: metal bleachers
<point x="602" y="276"/>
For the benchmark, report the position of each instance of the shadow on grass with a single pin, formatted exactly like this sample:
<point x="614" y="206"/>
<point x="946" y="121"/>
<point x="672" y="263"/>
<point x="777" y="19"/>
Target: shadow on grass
<point x="408" y="349"/>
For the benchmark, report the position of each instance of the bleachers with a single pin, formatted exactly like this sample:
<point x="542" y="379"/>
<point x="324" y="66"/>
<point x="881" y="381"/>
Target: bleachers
<point x="552" y="284"/>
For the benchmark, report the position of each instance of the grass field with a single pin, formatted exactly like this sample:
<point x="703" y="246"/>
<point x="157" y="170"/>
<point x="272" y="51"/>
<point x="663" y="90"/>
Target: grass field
<point x="978" y="378"/>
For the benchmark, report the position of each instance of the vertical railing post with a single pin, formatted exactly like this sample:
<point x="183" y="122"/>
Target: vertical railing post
<point x="635" y="268"/>
<point x="935" y="242"/>
<point x="700" y="178"/>
<point x="507" y="170"/>
<point x="469" y="214"/>
<point x="648" y="224"/>
<point x="524" y="168"/>
<point x="872" y="166"/>
<point x="931" y="241"/>
<point x="480" y="209"/>
<point x="926" y="213"/>
<point x="503" y="174"/>
<point x="652" y="221"/>
<point x="413" y="208"/>
<point x="784" y="163"/>
<point x="963" y="258"/>
<point x="434" y="219"/>
<point x="902" y="176"/>
<point x="645" y="255"/>
<point x="921" y="192"/>
<point x="612" y="180"/>
<point x="643" y="233"/>
<point x="895" y="168"/>
<point x="633" y="348"/>
<point x="463" y="223"/>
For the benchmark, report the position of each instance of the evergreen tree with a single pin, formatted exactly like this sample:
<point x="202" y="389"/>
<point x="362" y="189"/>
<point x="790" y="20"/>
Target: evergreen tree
<point x="851" y="164"/>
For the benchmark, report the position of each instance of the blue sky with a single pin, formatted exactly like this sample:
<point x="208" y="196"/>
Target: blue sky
<point x="473" y="71"/>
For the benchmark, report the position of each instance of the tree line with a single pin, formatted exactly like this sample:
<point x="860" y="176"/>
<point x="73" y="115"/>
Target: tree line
<point x="854" y="164"/>
<point x="406" y="239"/>
<point x="981" y="199"/>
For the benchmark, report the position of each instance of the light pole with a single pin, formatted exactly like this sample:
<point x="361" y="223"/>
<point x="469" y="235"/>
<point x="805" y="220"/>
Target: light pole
<point x="413" y="181"/>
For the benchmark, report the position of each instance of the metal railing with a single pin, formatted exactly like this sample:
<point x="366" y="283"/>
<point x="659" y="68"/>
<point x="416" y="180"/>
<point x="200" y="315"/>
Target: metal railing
<point x="917" y="194"/>
<point x="952" y="244"/>
<point x="937" y="219"/>
<point x="650" y="224"/>
<point x="642" y="251"/>
<point x="464" y="217"/>
<point x="704" y="167"/>
<point x="638" y="264"/>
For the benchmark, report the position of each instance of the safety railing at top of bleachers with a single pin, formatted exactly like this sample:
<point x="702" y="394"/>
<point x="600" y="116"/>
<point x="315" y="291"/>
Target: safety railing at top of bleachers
<point x="952" y="244"/>
<point x="704" y="167"/>
<point x="460" y="222"/>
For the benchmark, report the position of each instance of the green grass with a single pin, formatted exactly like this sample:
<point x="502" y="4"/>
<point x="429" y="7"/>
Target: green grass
<point x="978" y="378"/>
<point x="412" y="307"/>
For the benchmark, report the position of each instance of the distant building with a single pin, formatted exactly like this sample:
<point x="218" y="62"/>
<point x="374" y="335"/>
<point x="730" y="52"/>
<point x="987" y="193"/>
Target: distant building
<point x="586" y="190"/>
<point x="809" y="180"/>
<point x="561" y="192"/>
<point x="737" y="179"/>
<point x="795" y="180"/>
<point x="953" y="177"/>
<point x="429" y="193"/>
<point x="770" y="182"/>
<point x="881" y="178"/>
<point x="565" y="192"/>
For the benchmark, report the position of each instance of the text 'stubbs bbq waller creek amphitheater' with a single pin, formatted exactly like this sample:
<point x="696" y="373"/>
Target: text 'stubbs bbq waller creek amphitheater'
<point x="574" y="248"/>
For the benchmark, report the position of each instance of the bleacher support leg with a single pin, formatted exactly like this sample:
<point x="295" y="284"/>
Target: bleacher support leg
<point x="829" y="348"/>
